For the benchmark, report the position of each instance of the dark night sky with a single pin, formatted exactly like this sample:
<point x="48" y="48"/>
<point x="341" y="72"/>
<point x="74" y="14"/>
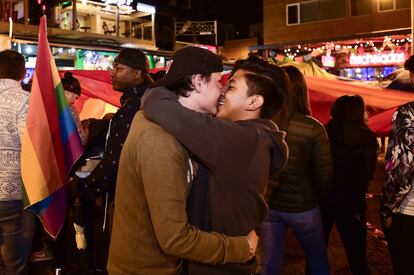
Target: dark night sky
<point x="238" y="11"/>
<point x="226" y="11"/>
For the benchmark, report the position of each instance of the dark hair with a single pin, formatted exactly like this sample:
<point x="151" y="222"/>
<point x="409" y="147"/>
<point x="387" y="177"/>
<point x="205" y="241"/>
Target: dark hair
<point x="409" y="64"/>
<point x="349" y="108"/>
<point x="297" y="97"/>
<point x="71" y="83"/>
<point x="253" y="60"/>
<point x="158" y="75"/>
<point x="267" y="80"/>
<point x="12" y="65"/>
<point x="185" y="84"/>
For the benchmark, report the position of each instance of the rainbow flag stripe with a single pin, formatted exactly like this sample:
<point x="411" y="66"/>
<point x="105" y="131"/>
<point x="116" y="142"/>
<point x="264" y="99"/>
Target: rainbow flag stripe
<point x="51" y="143"/>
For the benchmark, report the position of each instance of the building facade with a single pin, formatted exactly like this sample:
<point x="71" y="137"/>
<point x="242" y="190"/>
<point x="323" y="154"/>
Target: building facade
<point x="293" y="21"/>
<point x="361" y="39"/>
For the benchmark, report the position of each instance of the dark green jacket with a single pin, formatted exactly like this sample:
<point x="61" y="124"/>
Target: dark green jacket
<point x="308" y="175"/>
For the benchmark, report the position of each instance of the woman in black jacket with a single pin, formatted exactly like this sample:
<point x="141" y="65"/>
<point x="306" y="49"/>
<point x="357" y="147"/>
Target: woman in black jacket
<point x="354" y="150"/>
<point x="294" y="194"/>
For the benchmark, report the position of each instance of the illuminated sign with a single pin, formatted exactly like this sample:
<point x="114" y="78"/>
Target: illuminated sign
<point x="140" y="6"/>
<point x="118" y="2"/>
<point x="388" y="58"/>
<point x="145" y="8"/>
<point x="328" y="61"/>
<point x="195" y="28"/>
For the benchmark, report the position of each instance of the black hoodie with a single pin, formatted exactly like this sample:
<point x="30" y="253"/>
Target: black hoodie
<point x="354" y="151"/>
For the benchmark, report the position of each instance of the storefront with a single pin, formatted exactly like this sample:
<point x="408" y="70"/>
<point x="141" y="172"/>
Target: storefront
<point x="365" y="66"/>
<point x="369" y="59"/>
<point x="75" y="58"/>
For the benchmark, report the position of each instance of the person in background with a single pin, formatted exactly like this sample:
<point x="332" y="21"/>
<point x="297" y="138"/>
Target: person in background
<point x="397" y="201"/>
<point x="294" y="195"/>
<point x="354" y="152"/>
<point x="16" y="224"/>
<point x="72" y="88"/>
<point x="130" y="77"/>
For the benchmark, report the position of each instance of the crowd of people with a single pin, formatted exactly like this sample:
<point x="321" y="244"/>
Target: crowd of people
<point x="193" y="176"/>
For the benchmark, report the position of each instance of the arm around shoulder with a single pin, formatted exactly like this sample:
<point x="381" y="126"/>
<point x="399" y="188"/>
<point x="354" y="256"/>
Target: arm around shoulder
<point x="164" y="166"/>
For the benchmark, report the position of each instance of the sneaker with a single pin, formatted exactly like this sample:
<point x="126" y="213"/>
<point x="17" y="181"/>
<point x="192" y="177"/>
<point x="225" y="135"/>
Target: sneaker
<point x="38" y="256"/>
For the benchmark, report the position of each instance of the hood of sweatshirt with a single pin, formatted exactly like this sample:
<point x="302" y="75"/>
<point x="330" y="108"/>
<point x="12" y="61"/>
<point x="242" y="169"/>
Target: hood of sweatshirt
<point x="277" y="143"/>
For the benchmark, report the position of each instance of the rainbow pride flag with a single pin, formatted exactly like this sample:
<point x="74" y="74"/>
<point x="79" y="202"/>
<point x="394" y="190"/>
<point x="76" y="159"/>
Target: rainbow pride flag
<point x="51" y="143"/>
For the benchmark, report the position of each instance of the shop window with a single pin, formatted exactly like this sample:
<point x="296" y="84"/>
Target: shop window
<point x="360" y="7"/>
<point x="330" y="9"/>
<point x="309" y="11"/>
<point x="385" y="5"/>
<point x="388" y="5"/>
<point x="402" y="4"/>
<point x="292" y="14"/>
<point x="316" y="10"/>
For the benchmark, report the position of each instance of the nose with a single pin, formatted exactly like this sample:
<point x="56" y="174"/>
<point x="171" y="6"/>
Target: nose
<point x="224" y="89"/>
<point x="113" y="72"/>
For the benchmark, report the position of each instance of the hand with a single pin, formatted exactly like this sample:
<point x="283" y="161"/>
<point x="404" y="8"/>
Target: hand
<point x="386" y="222"/>
<point x="253" y="240"/>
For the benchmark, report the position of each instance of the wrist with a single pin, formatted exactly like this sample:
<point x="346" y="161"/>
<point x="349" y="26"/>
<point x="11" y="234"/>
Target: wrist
<point x="251" y="249"/>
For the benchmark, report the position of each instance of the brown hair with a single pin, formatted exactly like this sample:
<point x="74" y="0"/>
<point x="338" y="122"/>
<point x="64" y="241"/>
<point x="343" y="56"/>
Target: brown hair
<point x="297" y="97"/>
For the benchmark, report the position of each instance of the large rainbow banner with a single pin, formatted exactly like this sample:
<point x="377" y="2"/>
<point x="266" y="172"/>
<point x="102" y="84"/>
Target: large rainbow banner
<point x="51" y="142"/>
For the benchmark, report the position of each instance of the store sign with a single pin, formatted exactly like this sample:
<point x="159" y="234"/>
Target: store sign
<point x="195" y="28"/>
<point x="328" y="61"/>
<point x="118" y="2"/>
<point x="140" y="6"/>
<point x="388" y="58"/>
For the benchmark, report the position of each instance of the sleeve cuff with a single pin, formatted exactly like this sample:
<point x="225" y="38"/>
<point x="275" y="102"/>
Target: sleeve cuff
<point x="237" y="250"/>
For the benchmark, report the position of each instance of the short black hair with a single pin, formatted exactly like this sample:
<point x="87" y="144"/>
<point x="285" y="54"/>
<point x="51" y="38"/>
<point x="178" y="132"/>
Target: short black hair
<point x="409" y="64"/>
<point x="12" y="65"/>
<point x="71" y="83"/>
<point x="265" y="79"/>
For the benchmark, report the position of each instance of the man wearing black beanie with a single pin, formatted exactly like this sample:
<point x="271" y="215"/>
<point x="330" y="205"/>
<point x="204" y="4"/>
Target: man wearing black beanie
<point x="130" y="77"/>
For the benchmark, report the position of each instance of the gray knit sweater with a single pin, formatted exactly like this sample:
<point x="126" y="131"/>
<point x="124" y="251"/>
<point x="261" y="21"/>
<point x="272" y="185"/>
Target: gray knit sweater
<point x="13" y="107"/>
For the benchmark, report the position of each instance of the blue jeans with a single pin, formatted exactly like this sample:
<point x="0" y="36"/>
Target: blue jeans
<point x="16" y="232"/>
<point x="308" y="229"/>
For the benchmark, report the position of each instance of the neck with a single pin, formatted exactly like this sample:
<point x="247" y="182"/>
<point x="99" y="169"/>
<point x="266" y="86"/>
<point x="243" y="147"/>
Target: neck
<point x="137" y="82"/>
<point x="247" y="115"/>
<point x="190" y="103"/>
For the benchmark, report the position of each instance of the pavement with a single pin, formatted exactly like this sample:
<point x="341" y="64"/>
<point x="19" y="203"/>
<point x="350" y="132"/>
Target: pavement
<point x="378" y="257"/>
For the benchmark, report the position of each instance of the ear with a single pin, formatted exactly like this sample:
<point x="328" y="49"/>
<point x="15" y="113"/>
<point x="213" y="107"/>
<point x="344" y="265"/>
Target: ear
<point x="197" y="81"/>
<point x="254" y="102"/>
<point x="137" y="74"/>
